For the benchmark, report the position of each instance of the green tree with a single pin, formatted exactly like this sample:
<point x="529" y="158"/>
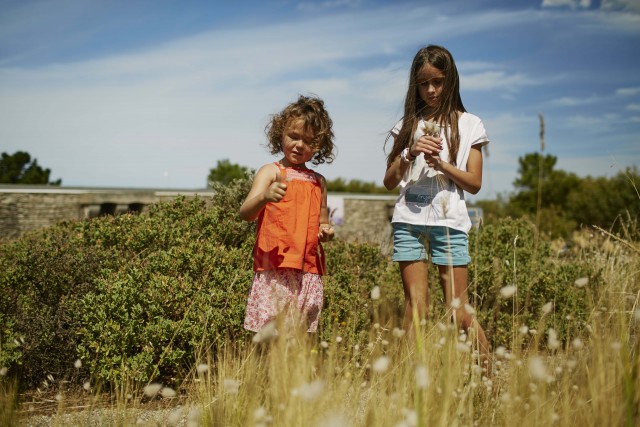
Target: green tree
<point x="339" y="185"/>
<point x="18" y="168"/>
<point x="554" y="212"/>
<point x="607" y="202"/>
<point x="225" y="172"/>
<point x="556" y="184"/>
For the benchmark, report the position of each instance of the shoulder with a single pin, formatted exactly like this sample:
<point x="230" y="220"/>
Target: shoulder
<point x="268" y="170"/>
<point x="321" y="179"/>
<point x="473" y="127"/>
<point x="469" y="119"/>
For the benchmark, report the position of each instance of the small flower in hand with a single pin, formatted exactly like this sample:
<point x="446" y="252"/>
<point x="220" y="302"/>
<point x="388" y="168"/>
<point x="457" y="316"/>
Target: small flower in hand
<point x="325" y="233"/>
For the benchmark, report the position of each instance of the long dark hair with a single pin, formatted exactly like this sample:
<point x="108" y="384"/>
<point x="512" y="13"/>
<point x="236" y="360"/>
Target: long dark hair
<point x="449" y="105"/>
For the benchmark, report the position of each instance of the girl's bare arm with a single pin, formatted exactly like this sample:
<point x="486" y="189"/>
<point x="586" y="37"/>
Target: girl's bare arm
<point x="326" y="231"/>
<point x="471" y="180"/>
<point x="267" y="187"/>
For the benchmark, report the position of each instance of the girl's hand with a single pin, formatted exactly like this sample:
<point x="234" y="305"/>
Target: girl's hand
<point x="326" y="233"/>
<point x="276" y="191"/>
<point x="434" y="161"/>
<point x="428" y="145"/>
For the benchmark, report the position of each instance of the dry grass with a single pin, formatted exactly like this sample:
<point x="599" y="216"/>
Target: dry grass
<point x="430" y="379"/>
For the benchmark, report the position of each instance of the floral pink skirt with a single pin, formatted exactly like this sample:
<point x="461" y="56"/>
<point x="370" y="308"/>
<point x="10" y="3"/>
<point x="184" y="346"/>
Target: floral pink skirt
<point x="292" y="293"/>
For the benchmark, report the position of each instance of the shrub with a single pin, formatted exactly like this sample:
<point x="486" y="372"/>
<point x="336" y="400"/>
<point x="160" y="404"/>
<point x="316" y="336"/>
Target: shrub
<point x="505" y="254"/>
<point x="142" y="297"/>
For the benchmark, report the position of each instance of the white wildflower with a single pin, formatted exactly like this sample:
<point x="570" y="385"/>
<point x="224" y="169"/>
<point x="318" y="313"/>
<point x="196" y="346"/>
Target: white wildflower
<point x="546" y="309"/>
<point x="398" y="333"/>
<point x="381" y="364"/>
<point x="469" y="309"/>
<point x="581" y="282"/>
<point x="194" y="417"/>
<point x="3" y="371"/>
<point x="455" y="303"/>
<point x="524" y="329"/>
<point x="175" y="417"/>
<point x="508" y="291"/>
<point x="267" y="333"/>
<point x="500" y="352"/>
<point x="577" y="344"/>
<point x="311" y="391"/>
<point x="422" y="377"/>
<point x="77" y="364"/>
<point x="537" y="368"/>
<point x="150" y="390"/>
<point x="375" y="293"/>
<point x="202" y="368"/>
<point x="86" y="385"/>
<point x="334" y="420"/>
<point x="463" y="347"/>
<point x="231" y="386"/>
<point x="552" y="339"/>
<point x="324" y="344"/>
<point x="338" y="339"/>
<point x="168" y="392"/>
<point x="259" y="414"/>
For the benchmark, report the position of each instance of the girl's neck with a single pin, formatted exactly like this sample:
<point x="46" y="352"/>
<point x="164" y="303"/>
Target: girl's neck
<point x="429" y="117"/>
<point x="286" y="164"/>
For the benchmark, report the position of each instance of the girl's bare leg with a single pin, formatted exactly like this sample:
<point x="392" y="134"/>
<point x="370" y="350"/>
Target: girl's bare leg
<point x="454" y="285"/>
<point x="416" y="291"/>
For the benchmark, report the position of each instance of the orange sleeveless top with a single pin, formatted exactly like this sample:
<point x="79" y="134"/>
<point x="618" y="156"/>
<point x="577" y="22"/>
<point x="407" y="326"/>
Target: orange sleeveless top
<point x="287" y="235"/>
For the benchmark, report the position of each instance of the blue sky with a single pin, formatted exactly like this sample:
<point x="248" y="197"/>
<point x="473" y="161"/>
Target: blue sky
<point x="152" y="93"/>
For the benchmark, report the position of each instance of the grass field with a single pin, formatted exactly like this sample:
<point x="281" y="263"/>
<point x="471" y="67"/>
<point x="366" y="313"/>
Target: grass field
<point x="431" y="378"/>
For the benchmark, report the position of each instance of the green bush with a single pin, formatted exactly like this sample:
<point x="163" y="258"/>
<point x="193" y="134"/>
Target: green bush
<point x="505" y="254"/>
<point x="142" y="297"/>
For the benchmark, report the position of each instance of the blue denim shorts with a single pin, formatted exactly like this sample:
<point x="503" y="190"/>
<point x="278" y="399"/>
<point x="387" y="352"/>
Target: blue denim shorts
<point x="443" y="245"/>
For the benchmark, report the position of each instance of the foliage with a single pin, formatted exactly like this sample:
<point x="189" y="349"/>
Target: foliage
<point x="225" y="172"/>
<point x="506" y="254"/>
<point x="18" y="168"/>
<point x="140" y="297"/>
<point x="339" y="185"/>
<point x="567" y="202"/>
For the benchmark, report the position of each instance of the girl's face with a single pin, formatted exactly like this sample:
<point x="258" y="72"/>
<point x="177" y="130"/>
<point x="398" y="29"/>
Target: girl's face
<point x="430" y="81"/>
<point x="296" y="142"/>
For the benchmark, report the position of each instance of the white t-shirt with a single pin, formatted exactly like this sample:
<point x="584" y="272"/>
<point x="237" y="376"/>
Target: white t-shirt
<point x="427" y="197"/>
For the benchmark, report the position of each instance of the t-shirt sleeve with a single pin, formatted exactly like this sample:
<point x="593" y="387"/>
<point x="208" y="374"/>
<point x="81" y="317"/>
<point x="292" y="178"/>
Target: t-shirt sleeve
<point x="480" y="136"/>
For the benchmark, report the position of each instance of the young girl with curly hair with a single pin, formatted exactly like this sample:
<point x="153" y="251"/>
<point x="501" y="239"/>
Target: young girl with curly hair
<point x="289" y="202"/>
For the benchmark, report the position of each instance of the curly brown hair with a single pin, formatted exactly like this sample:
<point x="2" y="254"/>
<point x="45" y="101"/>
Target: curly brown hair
<point x="316" y="118"/>
<point x="447" y="111"/>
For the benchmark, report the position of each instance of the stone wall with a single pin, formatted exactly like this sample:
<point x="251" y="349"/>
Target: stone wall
<point x="359" y="217"/>
<point x="24" y="207"/>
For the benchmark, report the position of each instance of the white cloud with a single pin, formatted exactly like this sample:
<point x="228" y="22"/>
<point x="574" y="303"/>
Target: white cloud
<point x="574" y="4"/>
<point x="628" y="91"/>
<point x="620" y="5"/>
<point x="568" y="101"/>
<point x="495" y="79"/>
